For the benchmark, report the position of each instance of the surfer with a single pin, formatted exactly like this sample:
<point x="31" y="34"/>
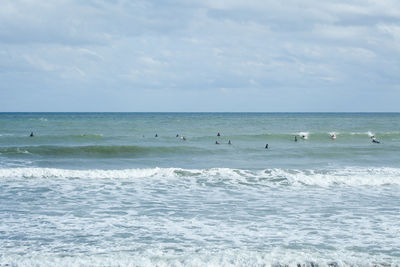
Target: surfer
<point x="177" y="135"/>
<point x="229" y="142"/>
<point x="218" y="134"/>
<point x="216" y="142"/>
<point x="31" y="135"/>
<point x="156" y="135"/>
<point x="374" y="140"/>
<point x="266" y="146"/>
<point x="295" y="138"/>
<point x="183" y="138"/>
<point x="333" y="136"/>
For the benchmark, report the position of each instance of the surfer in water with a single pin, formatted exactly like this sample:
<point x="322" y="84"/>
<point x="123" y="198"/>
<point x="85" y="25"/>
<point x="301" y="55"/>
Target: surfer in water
<point x="333" y="136"/>
<point x="374" y="140"/>
<point x="218" y="134"/>
<point x="31" y="135"/>
<point x="266" y="146"/>
<point x="156" y="135"/>
<point x="177" y="135"/>
<point x="183" y="138"/>
<point x="229" y="142"/>
<point x="295" y="138"/>
<point x="216" y="142"/>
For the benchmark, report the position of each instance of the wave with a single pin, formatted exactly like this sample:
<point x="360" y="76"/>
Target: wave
<point x="54" y="137"/>
<point x="286" y="135"/>
<point x="268" y="177"/>
<point x="311" y="136"/>
<point x="99" y="151"/>
<point x="205" y="257"/>
<point x="38" y="119"/>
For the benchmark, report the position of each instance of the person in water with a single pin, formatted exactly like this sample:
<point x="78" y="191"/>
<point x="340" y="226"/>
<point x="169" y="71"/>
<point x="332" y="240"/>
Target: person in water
<point x="295" y="138"/>
<point x="183" y="138"/>
<point x="374" y="140"/>
<point x="216" y="142"/>
<point x="156" y="135"/>
<point x="218" y="134"/>
<point x="266" y="146"/>
<point x="333" y="137"/>
<point x="177" y="135"/>
<point x="31" y="135"/>
<point x="229" y="142"/>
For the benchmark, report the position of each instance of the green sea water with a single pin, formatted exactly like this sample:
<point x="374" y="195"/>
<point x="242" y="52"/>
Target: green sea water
<point x="127" y="140"/>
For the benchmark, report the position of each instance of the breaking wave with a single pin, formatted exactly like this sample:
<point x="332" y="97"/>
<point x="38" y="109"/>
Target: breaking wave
<point x="232" y="257"/>
<point x="268" y="177"/>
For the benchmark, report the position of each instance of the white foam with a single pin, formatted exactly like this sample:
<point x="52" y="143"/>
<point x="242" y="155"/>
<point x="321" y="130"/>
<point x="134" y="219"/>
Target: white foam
<point x="22" y="151"/>
<point x="369" y="133"/>
<point x="230" y="257"/>
<point x="304" y="135"/>
<point x="6" y="134"/>
<point x="347" y="176"/>
<point x="356" y="176"/>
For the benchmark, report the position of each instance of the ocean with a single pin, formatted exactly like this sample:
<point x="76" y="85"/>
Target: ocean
<point x="162" y="189"/>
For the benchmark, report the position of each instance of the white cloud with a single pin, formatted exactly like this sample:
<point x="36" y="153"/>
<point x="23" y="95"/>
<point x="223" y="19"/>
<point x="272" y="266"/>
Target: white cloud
<point x="93" y="54"/>
<point x="201" y="46"/>
<point x="149" y="61"/>
<point x="392" y="30"/>
<point x="40" y="63"/>
<point x="344" y="33"/>
<point x="78" y="70"/>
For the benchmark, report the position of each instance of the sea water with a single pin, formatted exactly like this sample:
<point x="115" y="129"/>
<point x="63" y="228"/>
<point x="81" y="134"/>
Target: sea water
<point x="122" y="189"/>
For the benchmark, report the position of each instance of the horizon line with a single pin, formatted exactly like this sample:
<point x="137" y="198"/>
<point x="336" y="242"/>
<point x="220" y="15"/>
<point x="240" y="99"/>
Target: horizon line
<point x="366" y="112"/>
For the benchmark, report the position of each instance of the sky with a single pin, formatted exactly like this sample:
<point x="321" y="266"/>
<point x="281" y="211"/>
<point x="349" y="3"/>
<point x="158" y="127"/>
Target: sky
<point x="200" y="55"/>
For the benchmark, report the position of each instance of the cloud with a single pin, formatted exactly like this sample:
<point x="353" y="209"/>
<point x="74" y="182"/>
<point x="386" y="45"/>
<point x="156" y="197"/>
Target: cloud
<point x="392" y="30"/>
<point x="183" y="48"/>
<point x="39" y="63"/>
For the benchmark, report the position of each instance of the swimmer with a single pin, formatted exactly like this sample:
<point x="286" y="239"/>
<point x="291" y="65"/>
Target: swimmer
<point x="218" y="134"/>
<point x="266" y="146"/>
<point x="31" y="135"/>
<point x="216" y="142"/>
<point x="229" y="142"/>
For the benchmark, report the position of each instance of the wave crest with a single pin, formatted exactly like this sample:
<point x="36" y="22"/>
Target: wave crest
<point x="267" y="177"/>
